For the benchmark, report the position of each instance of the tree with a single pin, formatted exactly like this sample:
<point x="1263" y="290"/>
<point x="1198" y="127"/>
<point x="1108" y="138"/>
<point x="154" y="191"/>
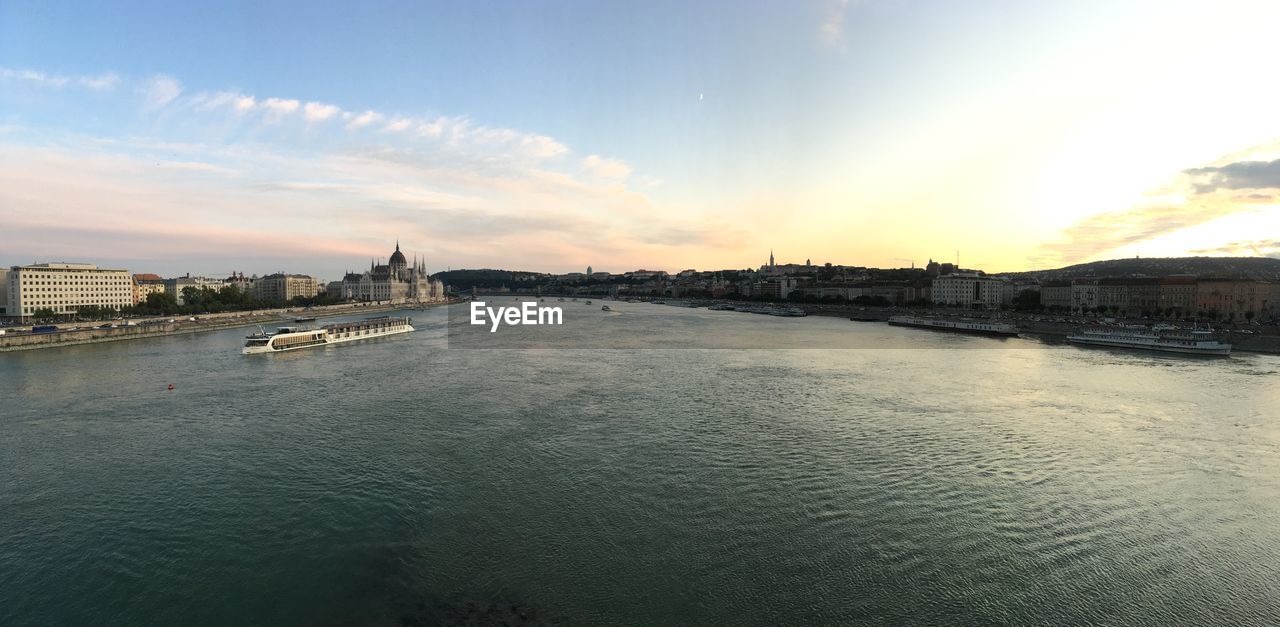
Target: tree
<point x="43" y="312"/>
<point x="1027" y="300"/>
<point x="875" y="301"/>
<point x="161" y="302"/>
<point x="319" y="299"/>
<point x="95" y="312"/>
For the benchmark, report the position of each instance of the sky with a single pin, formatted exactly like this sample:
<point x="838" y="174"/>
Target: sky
<point x="312" y="136"/>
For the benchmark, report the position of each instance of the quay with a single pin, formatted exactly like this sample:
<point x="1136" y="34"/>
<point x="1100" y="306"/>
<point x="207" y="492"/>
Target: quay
<point x="1263" y="339"/>
<point x="91" y="333"/>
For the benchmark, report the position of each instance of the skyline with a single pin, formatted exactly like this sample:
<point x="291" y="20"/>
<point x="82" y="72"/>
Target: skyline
<point x="662" y="136"/>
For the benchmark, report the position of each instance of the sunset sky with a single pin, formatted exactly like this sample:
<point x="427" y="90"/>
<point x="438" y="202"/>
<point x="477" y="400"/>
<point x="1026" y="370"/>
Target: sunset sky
<point x="176" y="137"/>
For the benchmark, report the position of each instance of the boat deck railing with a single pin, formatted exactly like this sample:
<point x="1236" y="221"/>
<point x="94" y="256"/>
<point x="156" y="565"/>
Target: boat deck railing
<point x="363" y="325"/>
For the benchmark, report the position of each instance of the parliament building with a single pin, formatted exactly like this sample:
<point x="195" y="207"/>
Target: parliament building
<point x="394" y="281"/>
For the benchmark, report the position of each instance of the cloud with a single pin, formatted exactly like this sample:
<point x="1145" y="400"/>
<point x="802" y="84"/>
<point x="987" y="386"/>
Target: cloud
<point x="364" y="119"/>
<point x="227" y="248"/>
<point x="457" y="132"/>
<point x="1197" y="197"/>
<point x="831" y="30"/>
<point x="33" y="76"/>
<point x="1237" y="175"/>
<point x="159" y="91"/>
<point x="608" y="169"/>
<point x="432" y="129"/>
<point x="466" y="206"/>
<point x="1257" y="248"/>
<point x="469" y="187"/>
<point x="280" y="105"/>
<point x="277" y="108"/>
<point x="196" y="166"/>
<point x="209" y="102"/>
<point x="397" y="125"/>
<point x="101" y="82"/>
<point x="1100" y="233"/>
<point x="317" y="112"/>
<point x="542" y="146"/>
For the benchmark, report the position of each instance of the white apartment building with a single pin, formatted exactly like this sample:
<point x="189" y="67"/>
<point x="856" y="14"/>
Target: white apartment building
<point x="174" y="287"/>
<point x="65" y="288"/>
<point x="966" y="290"/>
<point x="282" y="288"/>
<point x="1084" y="295"/>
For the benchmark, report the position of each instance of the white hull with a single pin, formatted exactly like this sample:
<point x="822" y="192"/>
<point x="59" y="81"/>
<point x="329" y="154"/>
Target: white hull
<point x="334" y="334"/>
<point x="1213" y="351"/>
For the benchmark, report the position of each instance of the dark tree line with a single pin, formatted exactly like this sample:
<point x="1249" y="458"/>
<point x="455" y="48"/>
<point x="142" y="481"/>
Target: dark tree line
<point x="197" y="300"/>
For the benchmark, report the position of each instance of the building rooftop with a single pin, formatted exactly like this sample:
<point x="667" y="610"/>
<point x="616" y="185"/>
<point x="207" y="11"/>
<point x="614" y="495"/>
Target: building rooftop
<point x="63" y="265"/>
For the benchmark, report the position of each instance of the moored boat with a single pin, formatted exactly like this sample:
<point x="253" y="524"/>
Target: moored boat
<point x="788" y="312"/>
<point x="1162" y="339"/>
<point x="980" y="327"/>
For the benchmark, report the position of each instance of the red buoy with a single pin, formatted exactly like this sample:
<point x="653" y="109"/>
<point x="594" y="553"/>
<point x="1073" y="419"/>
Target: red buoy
<point x="170" y="386"/>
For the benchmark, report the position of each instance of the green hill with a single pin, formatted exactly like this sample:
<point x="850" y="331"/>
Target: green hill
<point x="1264" y="268"/>
<point x="460" y="280"/>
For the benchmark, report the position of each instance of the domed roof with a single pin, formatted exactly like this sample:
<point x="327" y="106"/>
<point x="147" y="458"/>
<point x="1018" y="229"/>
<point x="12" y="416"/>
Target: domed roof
<point x="397" y="258"/>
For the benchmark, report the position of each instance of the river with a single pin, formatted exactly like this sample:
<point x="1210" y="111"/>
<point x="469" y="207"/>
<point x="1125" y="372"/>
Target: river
<point x="713" y="471"/>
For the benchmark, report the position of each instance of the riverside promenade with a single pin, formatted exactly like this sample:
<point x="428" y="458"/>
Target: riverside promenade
<point x="71" y="334"/>
<point x="1243" y="337"/>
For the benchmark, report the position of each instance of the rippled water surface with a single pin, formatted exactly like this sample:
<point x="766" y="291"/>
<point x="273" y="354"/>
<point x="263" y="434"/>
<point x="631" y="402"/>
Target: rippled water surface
<point x="397" y="480"/>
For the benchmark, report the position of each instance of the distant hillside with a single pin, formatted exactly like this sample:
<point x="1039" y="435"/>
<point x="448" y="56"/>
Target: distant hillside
<point x="466" y="279"/>
<point x="1247" y="267"/>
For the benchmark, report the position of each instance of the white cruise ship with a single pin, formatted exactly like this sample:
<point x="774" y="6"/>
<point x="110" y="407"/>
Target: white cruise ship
<point x="981" y="327"/>
<point x="1163" y="339"/>
<point x="293" y="338"/>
